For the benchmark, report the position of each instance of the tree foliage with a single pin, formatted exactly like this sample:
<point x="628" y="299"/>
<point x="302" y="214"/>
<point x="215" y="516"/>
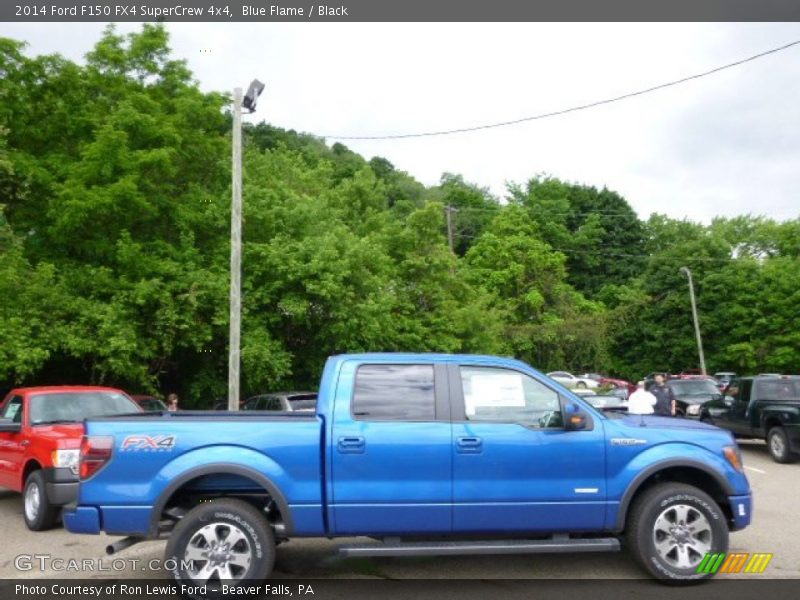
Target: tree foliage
<point x="114" y="249"/>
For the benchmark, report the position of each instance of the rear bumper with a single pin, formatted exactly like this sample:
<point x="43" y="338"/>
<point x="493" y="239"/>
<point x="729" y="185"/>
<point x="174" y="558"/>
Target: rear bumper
<point x="742" y="509"/>
<point x="82" y="519"/>
<point x="61" y="485"/>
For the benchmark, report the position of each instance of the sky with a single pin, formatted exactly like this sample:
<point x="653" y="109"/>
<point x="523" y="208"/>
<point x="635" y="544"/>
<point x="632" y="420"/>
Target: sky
<point x="724" y="145"/>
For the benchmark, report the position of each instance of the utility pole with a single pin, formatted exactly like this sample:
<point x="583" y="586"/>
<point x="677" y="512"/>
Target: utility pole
<point x="236" y="255"/>
<point x="688" y="273"/>
<point x="449" y="210"/>
<point x="234" y="352"/>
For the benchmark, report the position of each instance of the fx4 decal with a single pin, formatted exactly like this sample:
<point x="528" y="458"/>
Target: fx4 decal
<point x="148" y="443"/>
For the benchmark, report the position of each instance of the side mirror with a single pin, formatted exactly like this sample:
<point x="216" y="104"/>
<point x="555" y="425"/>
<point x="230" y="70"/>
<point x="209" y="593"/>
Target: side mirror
<point x="728" y="400"/>
<point x="577" y="420"/>
<point x="9" y="426"/>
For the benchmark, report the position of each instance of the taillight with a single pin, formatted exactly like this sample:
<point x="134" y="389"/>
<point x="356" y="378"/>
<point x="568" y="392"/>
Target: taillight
<point x="95" y="452"/>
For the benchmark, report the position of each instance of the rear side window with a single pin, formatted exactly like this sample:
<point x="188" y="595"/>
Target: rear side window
<point x="394" y="393"/>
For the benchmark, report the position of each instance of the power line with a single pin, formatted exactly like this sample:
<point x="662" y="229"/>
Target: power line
<point x="564" y="111"/>
<point x="537" y="211"/>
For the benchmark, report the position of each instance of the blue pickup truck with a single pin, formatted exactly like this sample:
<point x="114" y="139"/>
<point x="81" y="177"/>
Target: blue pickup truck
<point x="425" y="454"/>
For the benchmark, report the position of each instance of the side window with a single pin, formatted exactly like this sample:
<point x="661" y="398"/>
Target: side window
<point x="272" y="403"/>
<point x="492" y="394"/>
<point x="744" y="390"/>
<point x="394" y="393"/>
<point x="13" y="409"/>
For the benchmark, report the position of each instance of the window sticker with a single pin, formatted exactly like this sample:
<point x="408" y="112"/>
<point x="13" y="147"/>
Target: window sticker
<point x="12" y="410"/>
<point x="494" y="390"/>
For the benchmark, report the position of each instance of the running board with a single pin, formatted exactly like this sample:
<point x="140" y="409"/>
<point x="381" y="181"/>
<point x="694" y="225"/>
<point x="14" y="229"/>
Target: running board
<point x="482" y="547"/>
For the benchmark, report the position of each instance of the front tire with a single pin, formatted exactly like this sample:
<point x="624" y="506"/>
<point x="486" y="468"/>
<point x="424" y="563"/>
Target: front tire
<point x="221" y="542"/>
<point x="778" y="444"/>
<point x="37" y="510"/>
<point x="581" y="385"/>
<point x="670" y="529"/>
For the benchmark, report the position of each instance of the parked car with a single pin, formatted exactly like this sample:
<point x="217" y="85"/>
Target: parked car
<point x="613" y="382"/>
<point x="283" y="401"/>
<point x="149" y="403"/>
<point x="40" y="434"/>
<point x="482" y="452"/>
<point x="571" y="381"/>
<point x="724" y="378"/>
<point x="608" y="402"/>
<point x="596" y="376"/>
<point x="761" y="407"/>
<point x="690" y="394"/>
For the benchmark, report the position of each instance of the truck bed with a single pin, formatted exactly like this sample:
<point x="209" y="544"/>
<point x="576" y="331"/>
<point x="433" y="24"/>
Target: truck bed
<point x="154" y="452"/>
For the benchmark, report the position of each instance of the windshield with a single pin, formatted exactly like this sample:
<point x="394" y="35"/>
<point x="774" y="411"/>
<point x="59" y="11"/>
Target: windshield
<point x="152" y="404"/>
<point x="693" y="387"/>
<point x="73" y="407"/>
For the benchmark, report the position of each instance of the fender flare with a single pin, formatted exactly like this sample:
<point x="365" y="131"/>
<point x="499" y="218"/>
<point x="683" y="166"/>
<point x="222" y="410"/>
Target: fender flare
<point x="637" y="482"/>
<point x="220" y="469"/>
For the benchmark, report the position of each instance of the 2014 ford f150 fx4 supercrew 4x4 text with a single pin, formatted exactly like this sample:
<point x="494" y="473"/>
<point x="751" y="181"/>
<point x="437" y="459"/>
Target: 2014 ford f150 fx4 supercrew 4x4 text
<point x="425" y="453"/>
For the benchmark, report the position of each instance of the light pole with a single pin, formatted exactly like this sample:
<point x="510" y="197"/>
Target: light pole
<point x="234" y="358"/>
<point x="688" y="273"/>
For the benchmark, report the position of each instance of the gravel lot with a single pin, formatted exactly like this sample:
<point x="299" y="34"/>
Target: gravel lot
<point x="775" y="529"/>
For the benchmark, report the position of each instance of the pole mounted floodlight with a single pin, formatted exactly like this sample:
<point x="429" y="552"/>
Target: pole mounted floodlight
<point x="688" y="273"/>
<point x="251" y="97"/>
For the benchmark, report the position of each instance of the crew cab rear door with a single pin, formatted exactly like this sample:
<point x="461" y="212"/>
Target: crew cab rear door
<point x="515" y="466"/>
<point x="390" y="450"/>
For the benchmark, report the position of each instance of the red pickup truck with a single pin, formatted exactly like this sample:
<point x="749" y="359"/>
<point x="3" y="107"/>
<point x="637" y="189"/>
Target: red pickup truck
<point x="40" y="437"/>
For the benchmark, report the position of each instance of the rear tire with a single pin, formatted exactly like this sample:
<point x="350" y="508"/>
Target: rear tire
<point x="670" y="529"/>
<point x="223" y="541"/>
<point x="581" y="385"/>
<point x="37" y="510"/>
<point x="778" y="445"/>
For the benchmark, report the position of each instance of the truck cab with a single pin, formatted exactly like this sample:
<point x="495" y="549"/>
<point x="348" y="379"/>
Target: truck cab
<point x="763" y="407"/>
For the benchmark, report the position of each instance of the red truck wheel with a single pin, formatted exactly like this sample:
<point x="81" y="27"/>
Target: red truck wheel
<point x="221" y="542"/>
<point x="39" y="513"/>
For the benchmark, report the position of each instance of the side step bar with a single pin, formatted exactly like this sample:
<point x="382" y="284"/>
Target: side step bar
<point x="555" y="545"/>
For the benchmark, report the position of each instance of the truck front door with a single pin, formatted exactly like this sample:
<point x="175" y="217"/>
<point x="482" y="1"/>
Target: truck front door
<point x="515" y="467"/>
<point x="736" y="415"/>
<point x="390" y="450"/>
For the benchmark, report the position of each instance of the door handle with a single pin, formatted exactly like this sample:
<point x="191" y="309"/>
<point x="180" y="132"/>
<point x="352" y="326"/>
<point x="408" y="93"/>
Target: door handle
<point x="351" y="445"/>
<point x="469" y="445"/>
<point x="25" y="443"/>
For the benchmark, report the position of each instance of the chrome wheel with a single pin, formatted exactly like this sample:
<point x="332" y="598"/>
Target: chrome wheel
<point x="219" y="551"/>
<point x="33" y="500"/>
<point x="682" y="536"/>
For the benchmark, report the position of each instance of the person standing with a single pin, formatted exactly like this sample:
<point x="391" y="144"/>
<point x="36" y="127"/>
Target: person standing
<point x="665" y="399"/>
<point x="172" y="402"/>
<point x="641" y="402"/>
